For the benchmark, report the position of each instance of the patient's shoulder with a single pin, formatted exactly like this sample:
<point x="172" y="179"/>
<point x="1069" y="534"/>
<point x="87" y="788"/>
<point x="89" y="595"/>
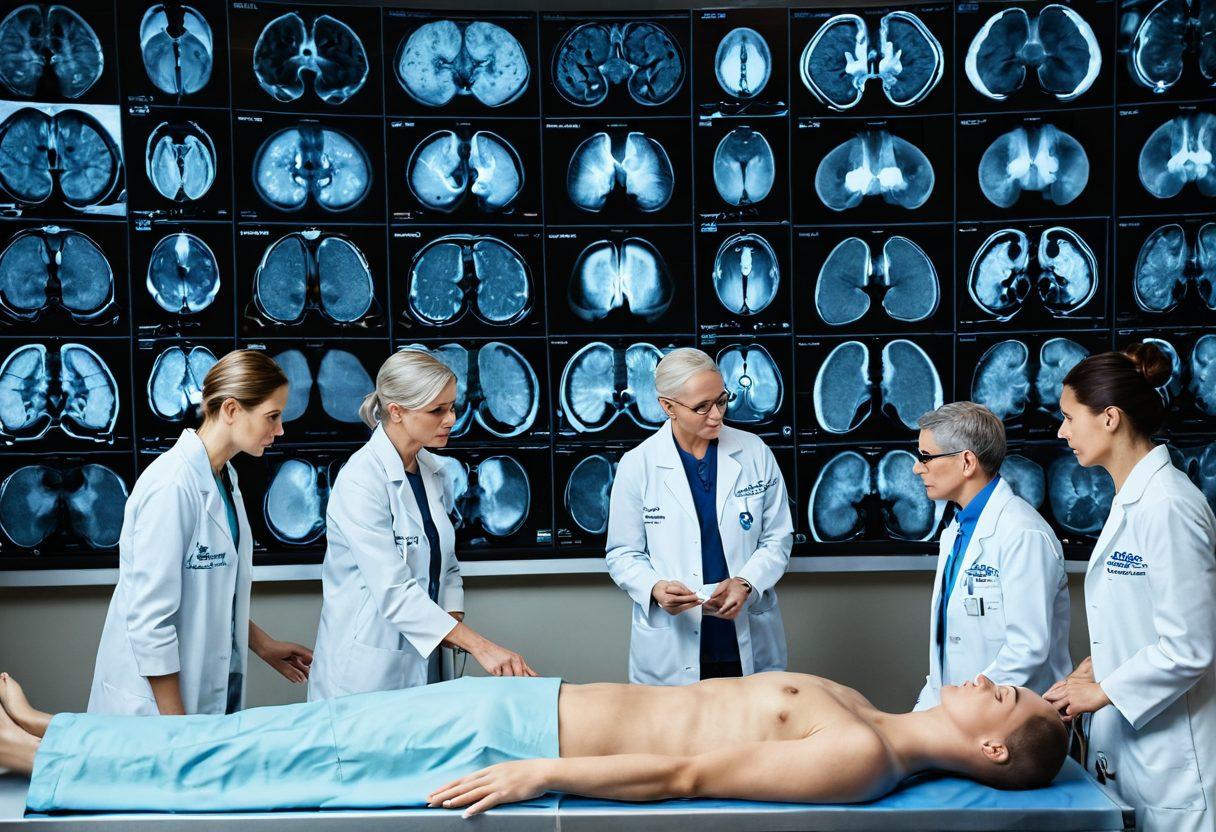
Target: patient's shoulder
<point x="862" y="764"/>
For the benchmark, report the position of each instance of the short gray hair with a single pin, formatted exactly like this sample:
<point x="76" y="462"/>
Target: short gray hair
<point x="677" y="367"/>
<point x="967" y="426"/>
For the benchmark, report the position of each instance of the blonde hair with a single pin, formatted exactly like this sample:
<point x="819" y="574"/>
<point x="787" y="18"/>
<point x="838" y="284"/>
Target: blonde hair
<point x="677" y="367"/>
<point x="411" y="378"/>
<point x="248" y="376"/>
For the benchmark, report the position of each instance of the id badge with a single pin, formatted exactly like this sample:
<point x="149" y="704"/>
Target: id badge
<point x="973" y="604"/>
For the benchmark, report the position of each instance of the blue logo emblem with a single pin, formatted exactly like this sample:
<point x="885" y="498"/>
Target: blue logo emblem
<point x="203" y="558"/>
<point x="745" y="520"/>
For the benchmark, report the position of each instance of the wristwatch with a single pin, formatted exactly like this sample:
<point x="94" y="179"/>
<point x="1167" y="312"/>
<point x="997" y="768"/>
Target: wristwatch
<point x="746" y="585"/>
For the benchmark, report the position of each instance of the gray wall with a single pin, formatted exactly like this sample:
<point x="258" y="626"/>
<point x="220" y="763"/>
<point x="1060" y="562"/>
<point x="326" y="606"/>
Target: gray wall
<point x="867" y="630"/>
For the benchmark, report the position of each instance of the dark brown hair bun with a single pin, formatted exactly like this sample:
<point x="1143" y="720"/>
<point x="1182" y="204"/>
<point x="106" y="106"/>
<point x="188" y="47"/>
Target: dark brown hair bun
<point x="1151" y="362"/>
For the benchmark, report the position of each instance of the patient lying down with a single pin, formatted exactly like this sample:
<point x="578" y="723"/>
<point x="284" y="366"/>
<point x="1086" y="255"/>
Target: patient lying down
<point x="475" y="743"/>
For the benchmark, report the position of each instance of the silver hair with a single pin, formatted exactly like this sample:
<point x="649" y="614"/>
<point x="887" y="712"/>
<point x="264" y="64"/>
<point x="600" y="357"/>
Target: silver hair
<point x="967" y="426"/>
<point x="411" y="378"/>
<point x="677" y="367"/>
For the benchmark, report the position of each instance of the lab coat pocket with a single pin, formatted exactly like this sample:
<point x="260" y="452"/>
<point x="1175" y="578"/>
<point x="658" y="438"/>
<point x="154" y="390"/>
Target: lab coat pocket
<point x="654" y="655"/>
<point x="124" y="703"/>
<point x="1163" y="752"/>
<point x="375" y="668"/>
<point x="992" y="622"/>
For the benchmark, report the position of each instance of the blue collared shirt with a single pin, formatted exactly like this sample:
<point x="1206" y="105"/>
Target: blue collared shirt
<point x="967" y="519"/>
<point x="718" y="640"/>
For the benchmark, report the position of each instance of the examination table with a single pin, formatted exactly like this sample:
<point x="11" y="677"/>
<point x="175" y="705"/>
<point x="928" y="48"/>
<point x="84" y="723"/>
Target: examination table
<point x="1073" y="803"/>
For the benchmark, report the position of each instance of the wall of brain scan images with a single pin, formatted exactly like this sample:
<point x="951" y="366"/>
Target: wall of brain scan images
<point x="861" y="213"/>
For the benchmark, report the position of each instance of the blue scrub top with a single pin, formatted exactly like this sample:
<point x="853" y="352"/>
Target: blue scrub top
<point x="718" y="640"/>
<point x="967" y="519"/>
<point x="434" y="668"/>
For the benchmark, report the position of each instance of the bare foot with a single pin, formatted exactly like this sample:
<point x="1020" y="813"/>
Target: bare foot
<point x="12" y="699"/>
<point x="17" y="748"/>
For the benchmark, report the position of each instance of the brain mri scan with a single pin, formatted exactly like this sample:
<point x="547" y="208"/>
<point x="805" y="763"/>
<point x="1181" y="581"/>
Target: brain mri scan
<point x="1168" y="263"/>
<point x="1198" y="463"/>
<point x="54" y="268"/>
<point x="839" y="60"/>
<point x="297" y="164"/>
<point x="183" y="274"/>
<point x="180" y="161"/>
<point x="71" y="388"/>
<point x="1079" y="497"/>
<point x="744" y="167"/>
<point x="82" y="503"/>
<point x="496" y="494"/>
<point x="294" y="504"/>
<point x="908" y="280"/>
<point x="39" y="39"/>
<point x="445" y="168"/>
<point x="177" y="47"/>
<point x="311" y="270"/>
<point x="849" y="487"/>
<point x="743" y="63"/>
<point x="68" y="153"/>
<point x="1165" y="36"/>
<point x="601" y="382"/>
<point x="612" y="274"/>
<point x="587" y="492"/>
<point x="496" y="386"/>
<point x="753" y="378"/>
<point x="843" y="394"/>
<point x="1181" y="150"/>
<point x="1061" y="269"/>
<point x="636" y="165"/>
<point x="175" y="385"/>
<point x="1057" y="44"/>
<point x="340" y="379"/>
<point x="1038" y="158"/>
<point x="1026" y="477"/>
<point x="1005" y="382"/>
<point x="288" y="50"/>
<point x="445" y="59"/>
<point x="746" y="274"/>
<point x="593" y="58"/>
<point x="462" y="271"/>
<point x="874" y="163"/>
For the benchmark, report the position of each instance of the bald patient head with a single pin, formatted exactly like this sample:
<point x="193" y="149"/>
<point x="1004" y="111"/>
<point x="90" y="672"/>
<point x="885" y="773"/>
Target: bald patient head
<point x="1010" y="737"/>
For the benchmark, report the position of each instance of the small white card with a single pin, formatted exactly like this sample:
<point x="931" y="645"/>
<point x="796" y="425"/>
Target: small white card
<point x="706" y="591"/>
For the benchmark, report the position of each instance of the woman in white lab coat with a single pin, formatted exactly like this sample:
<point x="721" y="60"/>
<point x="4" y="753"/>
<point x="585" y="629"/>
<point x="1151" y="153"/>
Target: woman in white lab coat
<point x="177" y="634"/>
<point x="699" y="533"/>
<point x="1150" y="596"/>
<point x="391" y="586"/>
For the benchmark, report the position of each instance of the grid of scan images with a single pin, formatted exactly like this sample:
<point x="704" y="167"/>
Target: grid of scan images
<point x="860" y="214"/>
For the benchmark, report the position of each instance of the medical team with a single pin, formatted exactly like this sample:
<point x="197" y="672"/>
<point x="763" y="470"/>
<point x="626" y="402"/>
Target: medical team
<point x="699" y="534"/>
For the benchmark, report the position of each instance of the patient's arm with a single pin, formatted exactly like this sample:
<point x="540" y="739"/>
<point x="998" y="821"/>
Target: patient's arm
<point x="834" y="766"/>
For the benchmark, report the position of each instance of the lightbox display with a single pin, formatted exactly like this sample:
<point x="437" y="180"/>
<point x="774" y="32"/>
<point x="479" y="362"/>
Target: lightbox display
<point x="860" y="213"/>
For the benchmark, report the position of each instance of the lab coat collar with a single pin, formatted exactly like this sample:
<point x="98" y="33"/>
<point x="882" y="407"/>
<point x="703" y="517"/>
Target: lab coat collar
<point x="668" y="456"/>
<point x="998" y="498"/>
<point x="195" y="453"/>
<point x="1138" y="479"/>
<point x="386" y="452"/>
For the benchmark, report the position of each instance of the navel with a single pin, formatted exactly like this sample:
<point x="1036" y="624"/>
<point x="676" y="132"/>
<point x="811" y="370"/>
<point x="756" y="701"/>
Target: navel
<point x="783" y="716"/>
<point x="790" y="689"/>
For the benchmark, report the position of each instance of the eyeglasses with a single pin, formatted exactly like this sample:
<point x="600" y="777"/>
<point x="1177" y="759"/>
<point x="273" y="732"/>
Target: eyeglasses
<point x="703" y="409"/>
<point x="925" y="458"/>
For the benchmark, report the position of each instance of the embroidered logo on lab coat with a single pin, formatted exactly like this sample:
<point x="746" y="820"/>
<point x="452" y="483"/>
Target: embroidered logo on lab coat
<point x="1125" y="563"/>
<point x="758" y="487"/>
<point x="203" y="558"/>
<point x="983" y="574"/>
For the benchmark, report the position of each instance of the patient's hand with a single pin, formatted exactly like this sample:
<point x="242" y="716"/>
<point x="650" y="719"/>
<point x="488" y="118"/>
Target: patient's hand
<point x="501" y="783"/>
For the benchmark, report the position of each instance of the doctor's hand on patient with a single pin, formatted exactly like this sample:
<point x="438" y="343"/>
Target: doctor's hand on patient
<point x="728" y="599"/>
<point x="495" y="660"/>
<point x="674" y="597"/>
<point x="1078" y="693"/>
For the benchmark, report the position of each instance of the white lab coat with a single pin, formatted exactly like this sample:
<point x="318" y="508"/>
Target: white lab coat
<point x="653" y="535"/>
<point x="378" y="624"/>
<point x="1015" y="564"/>
<point x="1150" y="594"/>
<point x="179" y="577"/>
